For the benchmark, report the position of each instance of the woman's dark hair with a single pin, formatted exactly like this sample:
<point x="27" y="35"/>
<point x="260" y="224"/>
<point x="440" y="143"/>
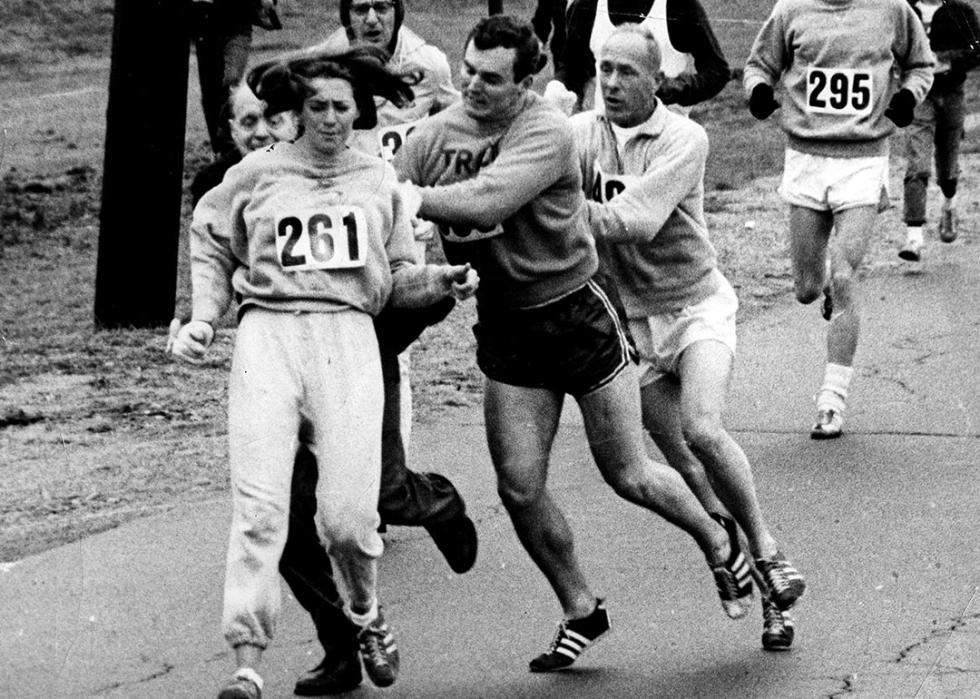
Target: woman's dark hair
<point x="284" y="84"/>
<point x="509" y="32"/>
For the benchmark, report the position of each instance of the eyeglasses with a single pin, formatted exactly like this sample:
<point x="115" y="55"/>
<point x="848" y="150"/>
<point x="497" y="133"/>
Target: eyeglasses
<point x="380" y="7"/>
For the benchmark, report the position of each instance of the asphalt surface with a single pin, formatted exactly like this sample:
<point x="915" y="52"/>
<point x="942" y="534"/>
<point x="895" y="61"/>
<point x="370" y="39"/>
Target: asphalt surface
<point x="882" y="522"/>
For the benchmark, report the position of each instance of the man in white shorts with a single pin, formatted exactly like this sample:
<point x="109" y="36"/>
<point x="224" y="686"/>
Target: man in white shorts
<point x="847" y="68"/>
<point x="643" y="172"/>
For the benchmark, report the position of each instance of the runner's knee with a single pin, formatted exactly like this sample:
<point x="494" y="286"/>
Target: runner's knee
<point x="704" y="433"/>
<point x="518" y="493"/>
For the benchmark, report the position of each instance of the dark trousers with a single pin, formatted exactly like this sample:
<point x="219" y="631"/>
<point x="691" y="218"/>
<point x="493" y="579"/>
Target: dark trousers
<point x="222" y="54"/>
<point x="406" y="497"/>
<point x="549" y="20"/>
<point x="933" y="137"/>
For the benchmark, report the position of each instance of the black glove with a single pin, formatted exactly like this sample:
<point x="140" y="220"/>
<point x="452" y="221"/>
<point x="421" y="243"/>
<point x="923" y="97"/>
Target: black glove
<point x="762" y="103"/>
<point x="902" y="108"/>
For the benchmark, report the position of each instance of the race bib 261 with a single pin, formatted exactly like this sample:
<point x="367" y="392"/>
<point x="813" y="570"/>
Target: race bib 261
<point x="331" y="237"/>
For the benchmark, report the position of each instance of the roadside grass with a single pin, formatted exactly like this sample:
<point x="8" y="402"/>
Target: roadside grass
<point x="100" y="427"/>
<point x="43" y="32"/>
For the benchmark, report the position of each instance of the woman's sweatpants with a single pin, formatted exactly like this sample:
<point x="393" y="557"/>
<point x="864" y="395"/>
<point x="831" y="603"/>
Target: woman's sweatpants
<point x="322" y="368"/>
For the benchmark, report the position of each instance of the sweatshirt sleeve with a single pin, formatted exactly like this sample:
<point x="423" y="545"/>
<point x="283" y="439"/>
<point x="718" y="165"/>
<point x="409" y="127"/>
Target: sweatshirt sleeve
<point x="915" y="58"/>
<point x="400" y="245"/>
<point x="690" y="32"/>
<point x="441" y="76"/>
<point x="768" y="58"/>
<point x="639" y="212"/>
<point x="216" y="222"/>
<point x="521" y="171"/>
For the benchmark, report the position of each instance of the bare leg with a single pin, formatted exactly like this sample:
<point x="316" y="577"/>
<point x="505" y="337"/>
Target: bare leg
<point x="847" y="250"/>
<point x="705" y="370"/>
<point x="661" y="418"/>
<point x="521" y="425"/>
<point x="809" y="241"/>
<point x="809" y="235"/>
<point x="614" y="427"/>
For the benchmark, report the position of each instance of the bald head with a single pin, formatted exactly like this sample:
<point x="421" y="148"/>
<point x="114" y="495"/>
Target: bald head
<point x="650" y="51"/>
<point x="629" y="75"/>
<point x="250" y="128"/>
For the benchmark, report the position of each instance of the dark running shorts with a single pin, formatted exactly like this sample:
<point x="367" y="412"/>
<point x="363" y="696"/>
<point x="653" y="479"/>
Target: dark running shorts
<point x="574" y="345"/>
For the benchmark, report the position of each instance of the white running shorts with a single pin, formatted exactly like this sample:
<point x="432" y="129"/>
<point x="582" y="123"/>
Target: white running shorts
<point x="833" y="184"/>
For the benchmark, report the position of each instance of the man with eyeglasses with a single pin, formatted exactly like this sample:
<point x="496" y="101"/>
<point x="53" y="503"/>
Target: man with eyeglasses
<point x="380" y="22"/>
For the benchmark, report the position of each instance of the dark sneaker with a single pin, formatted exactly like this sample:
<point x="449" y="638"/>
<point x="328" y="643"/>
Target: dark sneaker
<point x="829" y="424"/>
<point x="785" y="583"/>
<point x="336" y="674"/>
<point x="777" y="627"/>
<point x="379" y="652"/>
<point x="456" y="540"/>
<point x="911" y="251"/>
<point x="244" y="684"/>
<point x="947" y="223"/>
<point x="572" y="638"/>
<point x="734" y="578"/>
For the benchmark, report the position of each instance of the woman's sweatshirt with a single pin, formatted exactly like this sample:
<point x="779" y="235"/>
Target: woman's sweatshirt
<point x="289" y="234"/>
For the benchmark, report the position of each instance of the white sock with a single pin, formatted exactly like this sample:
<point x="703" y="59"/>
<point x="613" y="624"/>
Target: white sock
<point x="367" y="617"/>
<point x="249" y="673"/>
<point x="833" y="392"/>
<point x="950" y="202"/>
<point x="913" y="234"/>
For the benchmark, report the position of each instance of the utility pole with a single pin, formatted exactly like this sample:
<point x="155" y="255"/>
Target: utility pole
<point x="139" y="226"/>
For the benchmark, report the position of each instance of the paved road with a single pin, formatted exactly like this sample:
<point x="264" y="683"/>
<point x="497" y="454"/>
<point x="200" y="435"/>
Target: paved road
<point x="882" y="522"/>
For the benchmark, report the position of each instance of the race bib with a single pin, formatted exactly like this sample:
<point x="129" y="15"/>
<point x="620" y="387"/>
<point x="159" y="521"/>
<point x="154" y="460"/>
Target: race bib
<point x="330" y="237"/>
<point x="607" y="186"/>
<point x="392" y="137"/>
<point x="462" y="234"/>
<point x="841" y="91"/>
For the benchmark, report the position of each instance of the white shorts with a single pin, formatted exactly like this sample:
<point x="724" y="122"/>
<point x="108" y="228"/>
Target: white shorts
<point x="834" y="184"/>
<point x="661" y="339"/>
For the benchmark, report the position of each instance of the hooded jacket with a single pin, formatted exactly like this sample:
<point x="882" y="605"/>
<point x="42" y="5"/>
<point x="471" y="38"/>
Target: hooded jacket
<point x="409" y="53"/>
<point x="399" y="19"/>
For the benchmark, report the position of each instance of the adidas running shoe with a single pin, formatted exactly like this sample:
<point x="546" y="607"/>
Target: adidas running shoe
<point x="379" y="652"/>
<point x="785" y="583"/>
<point x="777" y="627"/>
<point x="572" y="638"/>
<point x="733" y="578"/>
